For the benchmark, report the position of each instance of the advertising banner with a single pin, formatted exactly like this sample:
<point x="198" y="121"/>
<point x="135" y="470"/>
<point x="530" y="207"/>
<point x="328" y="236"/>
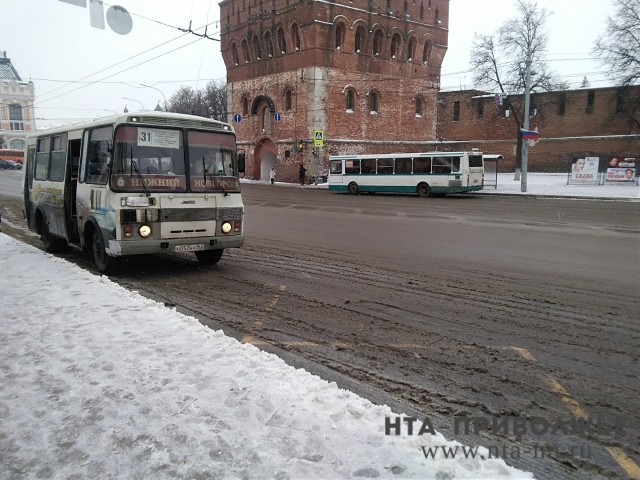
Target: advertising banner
<point x="585" y="170"/>
<point x="621" y="170"/>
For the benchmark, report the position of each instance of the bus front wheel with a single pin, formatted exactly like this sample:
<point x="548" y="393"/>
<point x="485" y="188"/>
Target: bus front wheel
<point x="51" y="243"/>
<point x="353" y="188"/>
<point x="423" y="189"/>
<point x="103" y="261"/>
<point x="209" y="257"/>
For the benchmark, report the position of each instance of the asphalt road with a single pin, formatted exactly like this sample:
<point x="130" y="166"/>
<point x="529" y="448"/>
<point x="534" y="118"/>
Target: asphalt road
<point x="464" y="306"/>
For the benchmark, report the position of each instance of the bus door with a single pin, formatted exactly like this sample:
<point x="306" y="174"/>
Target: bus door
<point x="476" y="170"/>
<point x="70" y="189"/>
<point x="28" y="185"/>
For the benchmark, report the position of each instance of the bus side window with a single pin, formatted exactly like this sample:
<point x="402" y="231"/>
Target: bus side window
<point x="368" y="166"/>
<point x="99" y="155"/>
<point x="422" y="165"/>
<point x="335" y="167"/>
<point x="403" y="165"/>
<point x="455" y="164"/>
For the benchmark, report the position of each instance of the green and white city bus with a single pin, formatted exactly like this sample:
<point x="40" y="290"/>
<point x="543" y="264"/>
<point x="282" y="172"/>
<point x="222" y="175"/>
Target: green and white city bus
<point x="132" y="184"/>
<point x="421" y="173"/>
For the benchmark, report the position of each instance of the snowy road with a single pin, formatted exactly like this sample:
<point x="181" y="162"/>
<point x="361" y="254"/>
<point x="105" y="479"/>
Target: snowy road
<point x="486" y="307"/>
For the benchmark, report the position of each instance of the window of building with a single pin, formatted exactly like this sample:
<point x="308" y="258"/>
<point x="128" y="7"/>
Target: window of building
<point x="282" y="44"/>
<point x="339" y="36"/>
<point x="456" y="111"/>
<point x="245" y="105"/>
<point x="591" y="98"/>
<point x="395" y="46"/>
<point x="359" y="40"/>
<point x="256" y="47"/>
<point x="288" y="99"/>
<point x="562" y="104"/>
<point x="245" y="51"/>
<point x="265" y="122"/>
<point x="269" y="44"/>
<point x="234" y="54"/>
<point x="421" y="11"/>
<point x="480" y="107"/>
<point x="621" y="94"/>
<point x="15" y="117"/>
<point x="16" y="144"/>
<point x="419" y="106"/>
<point x="295" y="33"/>
<point x="377" y="42"/>
<point x="411" y="48"/>
<point x="373" y="102"/>
<point x="350" y="100"/>
<point x="426" y="53"/>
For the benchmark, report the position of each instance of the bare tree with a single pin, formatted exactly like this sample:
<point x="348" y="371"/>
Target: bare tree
<point x="619" y="47"/>
<point x="210" y="102"/>
<point x="499" y="61"/>
<point x="619" y="50"/>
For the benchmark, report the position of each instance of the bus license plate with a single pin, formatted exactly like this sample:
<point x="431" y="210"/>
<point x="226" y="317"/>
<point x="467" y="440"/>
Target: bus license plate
<point x="190" y="248"/>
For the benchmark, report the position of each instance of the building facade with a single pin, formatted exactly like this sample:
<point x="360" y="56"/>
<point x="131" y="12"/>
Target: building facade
<point x="590" y="122"/>
<point x="17" y="117"/>
<point x="311" y="78"/>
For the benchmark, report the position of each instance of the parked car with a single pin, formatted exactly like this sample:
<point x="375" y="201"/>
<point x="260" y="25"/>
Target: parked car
<point x="10" y="165"/>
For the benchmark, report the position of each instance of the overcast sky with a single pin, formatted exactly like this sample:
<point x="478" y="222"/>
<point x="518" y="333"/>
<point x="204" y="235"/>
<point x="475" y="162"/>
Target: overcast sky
<point x="80" y="71"/>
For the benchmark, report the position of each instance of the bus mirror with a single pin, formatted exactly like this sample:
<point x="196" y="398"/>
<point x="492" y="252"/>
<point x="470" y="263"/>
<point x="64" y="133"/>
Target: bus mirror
<point x="241" y="162"/>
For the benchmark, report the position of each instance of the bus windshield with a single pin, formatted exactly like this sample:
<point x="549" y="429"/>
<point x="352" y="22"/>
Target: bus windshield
<point x="211" y="155"/>
<point x="156" y="158"/>
<point x="150" y="155"/>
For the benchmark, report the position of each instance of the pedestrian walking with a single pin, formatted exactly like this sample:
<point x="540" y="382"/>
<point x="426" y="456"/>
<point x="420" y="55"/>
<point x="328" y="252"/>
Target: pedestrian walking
<point x="272" y="174"/>
<point x="303" y="172"/>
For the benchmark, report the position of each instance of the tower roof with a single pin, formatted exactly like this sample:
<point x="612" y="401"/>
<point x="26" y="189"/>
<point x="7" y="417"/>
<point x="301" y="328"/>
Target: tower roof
<point x="7" y="71"/>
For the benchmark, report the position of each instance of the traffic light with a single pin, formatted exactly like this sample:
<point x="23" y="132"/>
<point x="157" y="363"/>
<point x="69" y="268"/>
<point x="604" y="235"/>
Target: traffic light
<point x="300" y="146"/>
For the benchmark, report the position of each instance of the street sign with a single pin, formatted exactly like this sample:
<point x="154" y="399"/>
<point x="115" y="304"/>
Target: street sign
<point x="277" y="117"/>
<point x="318" y="138"/>
<point x="237" y="117"/>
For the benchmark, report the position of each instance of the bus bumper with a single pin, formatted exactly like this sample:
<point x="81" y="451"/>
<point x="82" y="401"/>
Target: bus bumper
<point x="118" y="248"/>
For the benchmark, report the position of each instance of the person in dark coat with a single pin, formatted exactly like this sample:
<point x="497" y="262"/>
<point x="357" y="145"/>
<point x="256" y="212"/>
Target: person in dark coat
<point x="303" y="172"/>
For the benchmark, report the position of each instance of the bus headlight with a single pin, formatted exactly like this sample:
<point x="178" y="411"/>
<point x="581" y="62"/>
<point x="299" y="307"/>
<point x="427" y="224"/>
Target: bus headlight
<point x="226" y="227"/>
<point x="144" y="231"/>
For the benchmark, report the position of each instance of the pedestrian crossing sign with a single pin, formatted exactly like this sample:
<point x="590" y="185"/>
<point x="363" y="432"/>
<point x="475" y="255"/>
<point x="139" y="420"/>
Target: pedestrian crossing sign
<point x="318" y="138"/>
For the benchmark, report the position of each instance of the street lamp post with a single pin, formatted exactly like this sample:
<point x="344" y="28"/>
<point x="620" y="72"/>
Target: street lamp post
<point x="525" y="122"/>
<point x="134" y="100"/>
<point x="161" y="92"/>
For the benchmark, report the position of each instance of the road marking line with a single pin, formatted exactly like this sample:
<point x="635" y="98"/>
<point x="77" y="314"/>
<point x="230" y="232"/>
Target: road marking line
<point x="628" y="465"/>
<point x="574" y="406"/>
<point x="524" y="353"/>
<point x="263" y="314"/>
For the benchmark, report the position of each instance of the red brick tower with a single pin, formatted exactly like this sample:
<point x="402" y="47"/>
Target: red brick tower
<point x="363" y="73"/>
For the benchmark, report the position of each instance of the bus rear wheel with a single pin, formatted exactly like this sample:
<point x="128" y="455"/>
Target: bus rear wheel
<point x="209" y="257"/>
<point x="103" y="261"/>
<point x="423" y="189"/>
<point x="353" y="188"/>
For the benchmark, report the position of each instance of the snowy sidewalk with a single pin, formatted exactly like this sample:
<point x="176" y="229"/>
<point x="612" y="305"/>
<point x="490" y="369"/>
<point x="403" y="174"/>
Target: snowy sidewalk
<point x="99" y="382"/>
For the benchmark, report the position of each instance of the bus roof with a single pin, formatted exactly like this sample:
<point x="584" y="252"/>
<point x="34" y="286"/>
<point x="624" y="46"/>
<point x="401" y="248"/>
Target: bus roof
<point x="401" y="154"/>
<point x="148" y="118"/>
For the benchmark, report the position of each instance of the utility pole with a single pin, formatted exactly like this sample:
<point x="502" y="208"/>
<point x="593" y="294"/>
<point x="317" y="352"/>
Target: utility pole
<point x="525" y="121"/>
